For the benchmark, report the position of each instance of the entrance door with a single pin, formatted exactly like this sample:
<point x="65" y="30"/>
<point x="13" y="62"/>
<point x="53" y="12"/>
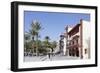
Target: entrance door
<point x="77" y="52"/>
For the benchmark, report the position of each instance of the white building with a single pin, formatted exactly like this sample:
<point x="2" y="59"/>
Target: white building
<point x="86" y="38"/>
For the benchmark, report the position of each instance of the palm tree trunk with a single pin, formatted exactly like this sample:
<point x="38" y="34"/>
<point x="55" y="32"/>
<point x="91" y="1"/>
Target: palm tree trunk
<point x="37" y="45"/>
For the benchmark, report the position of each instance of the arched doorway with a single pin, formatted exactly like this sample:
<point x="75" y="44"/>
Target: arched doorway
<point x="73" y="52"/>
<point x="77" y="52"/>
<point x="70" y="52"/>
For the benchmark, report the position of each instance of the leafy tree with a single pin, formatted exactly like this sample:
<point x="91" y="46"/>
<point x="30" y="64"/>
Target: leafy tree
<point x="26" y="40"/>
<point x="28" y="46"/>
<point x="53" y="45"/>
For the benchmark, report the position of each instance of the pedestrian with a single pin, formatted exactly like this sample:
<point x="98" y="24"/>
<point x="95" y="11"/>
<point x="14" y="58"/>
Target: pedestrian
<point x="49" y="55"/>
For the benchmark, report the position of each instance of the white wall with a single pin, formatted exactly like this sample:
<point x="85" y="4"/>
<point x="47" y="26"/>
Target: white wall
<point x="86" y="37"/>
<point x="5" y="36"/>
<point x="64" y="50"/>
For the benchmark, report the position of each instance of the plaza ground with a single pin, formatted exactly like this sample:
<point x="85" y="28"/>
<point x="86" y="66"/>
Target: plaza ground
<point x="47" y="58"/>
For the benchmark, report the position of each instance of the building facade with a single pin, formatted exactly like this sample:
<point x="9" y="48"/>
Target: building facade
<point x="77" y="40"/>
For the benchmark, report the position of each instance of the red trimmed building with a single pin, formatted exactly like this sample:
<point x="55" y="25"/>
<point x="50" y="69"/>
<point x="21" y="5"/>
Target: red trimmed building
<point x="78" y="40"/>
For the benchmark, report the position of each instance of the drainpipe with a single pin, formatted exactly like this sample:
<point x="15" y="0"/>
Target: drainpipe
<point x="81" y="38"/>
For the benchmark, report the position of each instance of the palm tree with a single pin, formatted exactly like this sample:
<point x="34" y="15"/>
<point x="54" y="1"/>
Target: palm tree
<point x="34" y="31"/>
<point x="46" y="43"/>
<point x="47" y="38"/>
<point x="35" y="28"/>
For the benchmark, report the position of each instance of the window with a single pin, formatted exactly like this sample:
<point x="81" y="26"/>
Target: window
<point x="77" y="41"/>
<point x="73" y="42"/>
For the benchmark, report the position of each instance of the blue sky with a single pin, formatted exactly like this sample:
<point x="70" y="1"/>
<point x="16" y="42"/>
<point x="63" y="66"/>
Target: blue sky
<point x="53" y="23"/>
